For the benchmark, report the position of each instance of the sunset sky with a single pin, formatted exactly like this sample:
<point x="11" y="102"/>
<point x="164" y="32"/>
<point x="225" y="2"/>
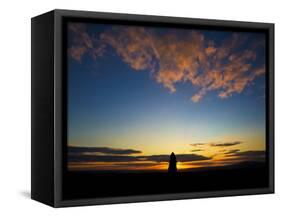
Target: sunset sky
<point x="136" y="94"/>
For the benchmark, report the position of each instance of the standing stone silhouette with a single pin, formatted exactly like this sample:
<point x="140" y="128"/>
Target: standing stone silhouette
<point x="172" y="164"/>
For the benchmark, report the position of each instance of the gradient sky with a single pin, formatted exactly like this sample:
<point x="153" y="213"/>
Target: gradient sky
<point x="135" y="93"/>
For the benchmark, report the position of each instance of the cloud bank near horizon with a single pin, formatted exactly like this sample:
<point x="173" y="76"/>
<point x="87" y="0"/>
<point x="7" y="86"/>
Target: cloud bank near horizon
<point x="216" y="144"/>
<point x="104" y="154"/>
<point x="103" y="158"/>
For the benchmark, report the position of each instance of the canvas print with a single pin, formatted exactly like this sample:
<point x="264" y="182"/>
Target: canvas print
<point x="163" y="109"/>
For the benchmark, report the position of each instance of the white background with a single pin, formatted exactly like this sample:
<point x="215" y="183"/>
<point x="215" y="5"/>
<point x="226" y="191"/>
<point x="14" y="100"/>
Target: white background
<point x="15" y="106"/>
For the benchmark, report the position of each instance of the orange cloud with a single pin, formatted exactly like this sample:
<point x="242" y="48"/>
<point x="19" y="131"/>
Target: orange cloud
<point x="76" y="52"/>
<point x="210" y="50"/>
<point x="177" y="57"/>
<point x="198" y="96"/>
<point x="134" y="45"/>
<point x="169" y="60"/>
<point x="82" y="42"/>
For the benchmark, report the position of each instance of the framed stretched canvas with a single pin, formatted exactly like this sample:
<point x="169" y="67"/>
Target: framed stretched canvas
<point x="130" y="108"/>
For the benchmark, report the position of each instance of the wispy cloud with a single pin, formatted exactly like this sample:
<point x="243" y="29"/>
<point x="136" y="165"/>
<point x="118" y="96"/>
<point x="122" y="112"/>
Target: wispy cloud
<point x="217" y="144"/>
<point x="101" y="150"/>
<point x="178" y="56"/>
<point x="101" y="158"/>
<point x="82" y="42"/>
<point x="199" y="144"/>
<point x="226" y="144"/>
<point x="197" y="150"/>
<point x="231" y="152"/>
<point x="249" y="154"/>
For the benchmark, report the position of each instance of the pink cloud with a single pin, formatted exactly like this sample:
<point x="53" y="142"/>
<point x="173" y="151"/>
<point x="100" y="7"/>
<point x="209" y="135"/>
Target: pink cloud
<point x="76" y="52"/>
<point x="134" y="45"/>
<point x="210" y="50"/>
<point x="177" y="57"/>
<point x="83" y="42"/>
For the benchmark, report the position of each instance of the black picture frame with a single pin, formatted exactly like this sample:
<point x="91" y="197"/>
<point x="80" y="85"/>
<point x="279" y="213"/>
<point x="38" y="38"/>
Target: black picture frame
<point x="49" y="116"/>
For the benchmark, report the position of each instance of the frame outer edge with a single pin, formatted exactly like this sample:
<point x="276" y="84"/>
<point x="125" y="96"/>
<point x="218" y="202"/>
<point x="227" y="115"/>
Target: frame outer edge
<point x="57" y="109"/>
<point x="58" y="17"/>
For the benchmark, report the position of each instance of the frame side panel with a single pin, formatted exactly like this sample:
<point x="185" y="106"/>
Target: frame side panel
<point x="271" y="110"/>
<point x="42" y="108"/>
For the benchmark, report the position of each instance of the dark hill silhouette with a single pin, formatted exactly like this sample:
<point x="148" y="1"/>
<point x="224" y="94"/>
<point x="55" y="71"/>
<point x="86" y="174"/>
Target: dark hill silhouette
<point x="92" y="184"/>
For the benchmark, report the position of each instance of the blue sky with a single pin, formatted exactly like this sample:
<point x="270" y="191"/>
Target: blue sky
<point x="124" y="92"/>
